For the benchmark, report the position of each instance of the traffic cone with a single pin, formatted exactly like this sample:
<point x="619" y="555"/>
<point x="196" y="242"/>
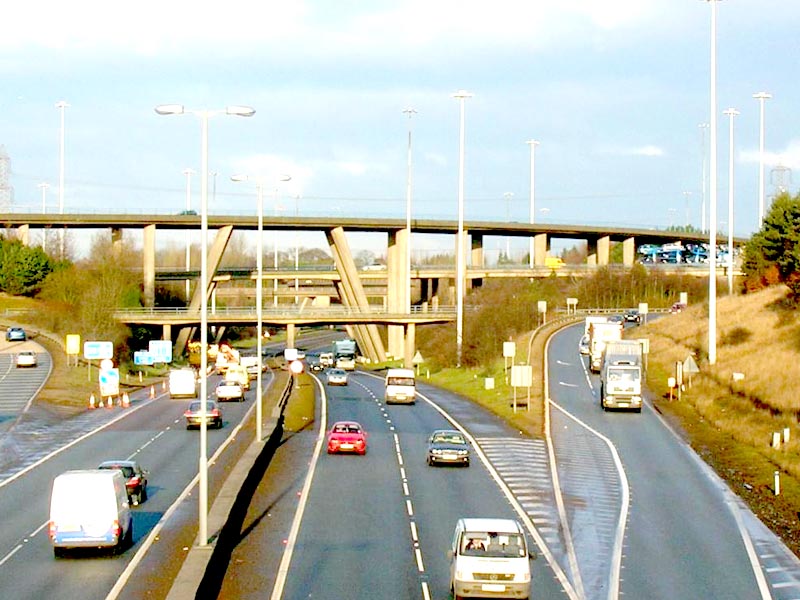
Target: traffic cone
<point x="126" y="401"/>
<point x="152" y="391"/>
<point x="108" y="403"/>
<point x="91" y="402"/>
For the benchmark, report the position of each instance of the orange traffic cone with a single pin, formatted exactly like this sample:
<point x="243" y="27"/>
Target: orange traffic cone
<point x="152" y="391"/>
<point x="91" y="402"/>
<point x="126" y="401"/>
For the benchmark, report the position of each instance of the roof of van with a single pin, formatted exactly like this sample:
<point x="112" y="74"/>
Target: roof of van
<point x="400" y="373"/>
<point x="491" y="524"/>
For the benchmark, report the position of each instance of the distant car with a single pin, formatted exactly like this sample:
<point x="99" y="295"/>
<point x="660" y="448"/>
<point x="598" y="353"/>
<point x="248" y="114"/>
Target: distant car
<point x="316" y="367"/>
<point x="374" y="267"/>
<point x="583" y="344"/>
<point x="26" y="358"/>
<point x="677" y="307"/>
<point x="347" y="436"/>
<point x="336" y="377"/>
<point x="135" y="478"/>
<point x="229" y="390"/>
<point x="16" y="334"/>
<point x="616" y="319"/>
<point x="446" y="446"/>
<point x="195" y="419"/>
<point x="632" y="316"/>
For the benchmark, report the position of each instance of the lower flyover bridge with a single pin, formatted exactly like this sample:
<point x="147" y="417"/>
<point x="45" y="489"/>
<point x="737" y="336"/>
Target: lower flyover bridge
<point x="283" y="316"/>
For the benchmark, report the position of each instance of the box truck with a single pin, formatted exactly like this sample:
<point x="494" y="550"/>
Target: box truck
<point x="621" y="376"/>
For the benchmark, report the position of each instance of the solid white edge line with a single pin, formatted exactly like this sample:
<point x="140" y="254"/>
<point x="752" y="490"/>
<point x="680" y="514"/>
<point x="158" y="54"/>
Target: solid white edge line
<point x="148" y="541"/>
<point x="551" y="454"/>
<point x="10" y="554"/>
<point x="758" y="573"/>
<point x="283" y="568"/>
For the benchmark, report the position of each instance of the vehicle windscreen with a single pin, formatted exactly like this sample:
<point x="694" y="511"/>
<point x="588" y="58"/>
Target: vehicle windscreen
<point x="448" y="437"/>
<point x="493" y="545"/>
<point x="624" y="375"/>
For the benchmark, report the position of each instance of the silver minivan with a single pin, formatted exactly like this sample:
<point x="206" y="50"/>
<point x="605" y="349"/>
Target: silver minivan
<point x="489" y="558"/>
<point x="89" y="509"/>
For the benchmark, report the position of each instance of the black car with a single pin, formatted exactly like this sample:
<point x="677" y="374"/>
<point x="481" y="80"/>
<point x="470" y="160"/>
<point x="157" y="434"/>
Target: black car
<point x="316" y="367"/>
<point x="446" y="446"/>
<point x="632" y="316"/>
<point x="135" y="478"/>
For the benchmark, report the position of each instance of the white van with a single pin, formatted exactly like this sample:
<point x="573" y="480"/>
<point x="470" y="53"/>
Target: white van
<point x="489" y="559"/>
<point x="400" y="386"/>
<point x="182" y="383"/>
<point x="89" y="509"/>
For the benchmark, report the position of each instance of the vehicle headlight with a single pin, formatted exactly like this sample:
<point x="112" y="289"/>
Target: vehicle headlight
<point x="463" y="452"/>
<point x="436" y="451"/>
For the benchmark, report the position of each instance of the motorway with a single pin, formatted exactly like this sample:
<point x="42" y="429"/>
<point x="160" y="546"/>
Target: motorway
<point x="634" y="511"/>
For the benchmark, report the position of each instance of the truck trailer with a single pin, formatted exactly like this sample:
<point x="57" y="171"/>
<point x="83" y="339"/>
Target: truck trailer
<point x="621" y="376"/>
<point x="600" y="334"/>
<point x="344" y="354"/>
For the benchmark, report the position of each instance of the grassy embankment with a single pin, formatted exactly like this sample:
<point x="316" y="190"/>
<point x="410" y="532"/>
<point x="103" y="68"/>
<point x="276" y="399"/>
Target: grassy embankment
<point x="731" y="423"/>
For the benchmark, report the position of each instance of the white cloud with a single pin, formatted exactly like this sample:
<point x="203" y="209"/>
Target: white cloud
<point x="270" y="169"/>
<point x="648" y="150"/>
<point x="352" y="167"/>
<point x="790" y="157"/>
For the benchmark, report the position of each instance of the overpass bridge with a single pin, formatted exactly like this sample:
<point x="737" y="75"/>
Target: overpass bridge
<point x="349" y="282"/>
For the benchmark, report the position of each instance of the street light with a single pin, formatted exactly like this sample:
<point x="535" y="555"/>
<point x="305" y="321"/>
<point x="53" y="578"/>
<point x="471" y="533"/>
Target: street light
<point x="731" y="112"/>
<point x="460" y="95"/>
<point x="712" y="229"/>
<point x="203" y="115"/>
<point x="296" y="250"/>
<point x="44" y="187"/>
<point x="410" y="112"/>
<point x="508" y="196"/>
<point x="761" y="97"/>
<point x="703" y="127"/>
<point x="61" y="106"/>
<point x="532" y="144"/>
<point x="259" y="291"/>
<point x="188" y="173"/>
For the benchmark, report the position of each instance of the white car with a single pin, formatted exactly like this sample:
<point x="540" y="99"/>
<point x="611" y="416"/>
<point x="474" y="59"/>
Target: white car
<point x="583" y="345"/>
<point x="26" y="358"/>
<point x="229" y="390"/>
<point x="336" y="377"/>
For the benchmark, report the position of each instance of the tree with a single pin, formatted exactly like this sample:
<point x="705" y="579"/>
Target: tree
<point x="22" y="269"/>
<point x="777" y="244"/>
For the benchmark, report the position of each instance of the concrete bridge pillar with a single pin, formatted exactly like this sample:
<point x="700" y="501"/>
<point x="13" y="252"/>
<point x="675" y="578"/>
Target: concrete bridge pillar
<point x="291" y="335"/>
<point x="410" y="346"/>
<point x="628" y="251"/>
<point x="166" y="332"/>
<point x="603" y="250"/>
<point x="23" y="234"/>
<point x="540" y="244"/>
<point x="148" y="264"/>
<point x="476" y="259"/>
<point x="591" y="252"/>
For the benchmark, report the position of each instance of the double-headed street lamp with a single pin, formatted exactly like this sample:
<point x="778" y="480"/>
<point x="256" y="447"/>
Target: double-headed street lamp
<point x="761" y="97"/>
<point x="259" y="290"/>
<point x="460" y="95"/>
<point x="204" y="115"/>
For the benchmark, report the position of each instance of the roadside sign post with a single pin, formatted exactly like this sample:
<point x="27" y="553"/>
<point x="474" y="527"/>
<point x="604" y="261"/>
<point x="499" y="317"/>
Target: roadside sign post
<point x="572" y="306"/>
<point x="541" y="306"/>
<point x="417" y="361"/>
<point x="521" y="376"/>
<point x="73" y="345"/>
<point x="690" y="368"/>
<point x="643" y="310"/>
<point x="509" y="352"/>
<point x="96" y="351"/>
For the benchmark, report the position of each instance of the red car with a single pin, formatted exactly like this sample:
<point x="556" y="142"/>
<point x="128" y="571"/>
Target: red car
<point x="347" y="436"/>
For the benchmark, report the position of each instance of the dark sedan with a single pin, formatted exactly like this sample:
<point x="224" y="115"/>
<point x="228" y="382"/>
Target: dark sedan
<point x="135" y="478"/>
<point x="447" y="446"/>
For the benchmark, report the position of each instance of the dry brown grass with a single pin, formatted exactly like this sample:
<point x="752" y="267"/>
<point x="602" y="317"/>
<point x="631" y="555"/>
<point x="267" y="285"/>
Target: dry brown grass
<point x="731" y="423"/>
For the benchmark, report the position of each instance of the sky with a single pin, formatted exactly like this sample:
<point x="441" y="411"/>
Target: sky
<point x="614" y="91"/>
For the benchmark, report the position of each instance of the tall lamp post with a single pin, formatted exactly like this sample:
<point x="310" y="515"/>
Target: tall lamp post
<point x="188" y="173"/>
<point x="532" y="144"/>
<point x="686" y="198"/>
<point x="204" y="115"/>
<point x="509" y="196"/>
<point x="761" y="97"/>
<point x="703" y="127"/>
<point x="44" y="187"/>
<point x="259" y="293"/>
<point x="410" y="112"/>
<point x="460" y="95"/>
<point x="61" y="106"/>
<point x="712" y="228"/>
<point x="731" y="113"/>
